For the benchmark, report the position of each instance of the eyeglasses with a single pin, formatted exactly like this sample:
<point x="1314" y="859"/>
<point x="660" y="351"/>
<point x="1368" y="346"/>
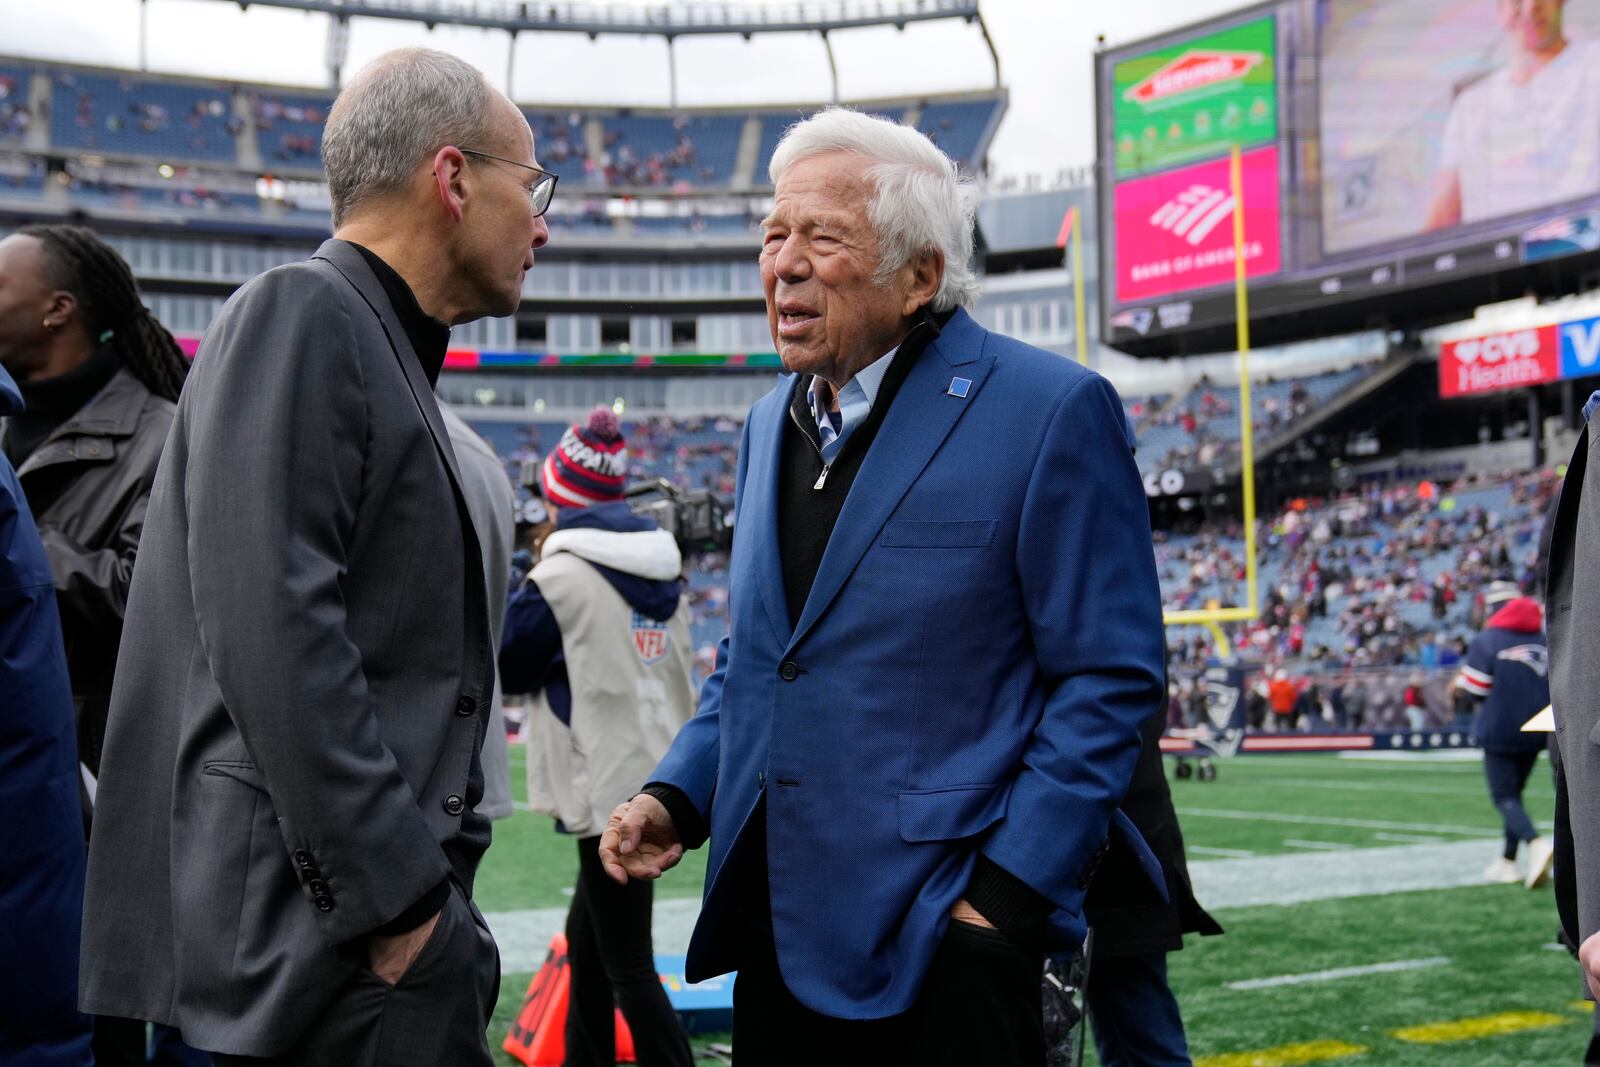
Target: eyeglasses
<point x="540" y="193"/>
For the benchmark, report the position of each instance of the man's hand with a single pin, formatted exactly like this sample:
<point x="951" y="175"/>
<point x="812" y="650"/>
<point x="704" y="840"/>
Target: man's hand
<point x="962" y="912"/>
<point x="639" y="841"/>
<point x="391" y="957"/>
<point x="1589" y="960"/>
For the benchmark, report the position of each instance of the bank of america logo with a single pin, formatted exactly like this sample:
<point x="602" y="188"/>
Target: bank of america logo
<point x="1194" y="213"/>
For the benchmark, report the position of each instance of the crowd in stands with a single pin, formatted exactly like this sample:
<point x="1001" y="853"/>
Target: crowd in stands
<point x="15" y="117"/>
<point x="289" y="130"/>
<point x="1201" y="427"/>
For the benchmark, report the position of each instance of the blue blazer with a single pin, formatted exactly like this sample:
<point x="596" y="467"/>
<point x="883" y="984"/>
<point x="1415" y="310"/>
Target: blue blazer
<point x="977" y="653"/>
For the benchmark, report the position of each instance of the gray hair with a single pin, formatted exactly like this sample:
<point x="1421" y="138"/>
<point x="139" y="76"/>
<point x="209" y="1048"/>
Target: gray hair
<point x="919" y="200"/>
<point x="403" y="107"/>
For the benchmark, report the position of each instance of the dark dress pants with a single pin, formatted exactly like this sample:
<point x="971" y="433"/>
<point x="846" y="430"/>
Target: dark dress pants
<point x="437" y="1014"/>
<point x="1134" y="1013"/>
<point x="613" y="966"/>
<point x="980" y="1004"/>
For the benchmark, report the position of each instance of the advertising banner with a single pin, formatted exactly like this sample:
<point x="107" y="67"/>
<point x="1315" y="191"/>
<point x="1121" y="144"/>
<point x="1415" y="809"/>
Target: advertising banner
<point x="1196" y="99"/>
<point x="1174" y="231"/>
<point x="1499" y="361"/>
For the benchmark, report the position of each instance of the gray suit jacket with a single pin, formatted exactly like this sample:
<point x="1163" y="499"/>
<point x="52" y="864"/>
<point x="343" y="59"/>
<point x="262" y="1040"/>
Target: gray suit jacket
<point x="304" y="673"/>
<point x="1572" y="593"/>
<point x="492" y="503"/>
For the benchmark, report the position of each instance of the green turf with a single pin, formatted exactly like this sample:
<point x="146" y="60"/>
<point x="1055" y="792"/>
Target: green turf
<point x="1494" y="935"/>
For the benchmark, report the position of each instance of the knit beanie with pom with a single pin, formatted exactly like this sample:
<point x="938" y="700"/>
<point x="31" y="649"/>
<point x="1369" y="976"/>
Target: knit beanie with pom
<point x="590" y="464"/>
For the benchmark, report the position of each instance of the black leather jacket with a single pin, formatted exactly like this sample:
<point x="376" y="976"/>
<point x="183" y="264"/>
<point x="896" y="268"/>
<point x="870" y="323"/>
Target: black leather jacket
<point x="88" y="485"/>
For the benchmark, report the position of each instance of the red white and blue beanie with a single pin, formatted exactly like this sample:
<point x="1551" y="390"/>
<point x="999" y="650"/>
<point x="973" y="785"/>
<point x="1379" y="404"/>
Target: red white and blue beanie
<point x="589" y="466"/>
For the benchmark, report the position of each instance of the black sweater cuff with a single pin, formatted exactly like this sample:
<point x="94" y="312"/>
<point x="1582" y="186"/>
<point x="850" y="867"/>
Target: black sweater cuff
<point x="685" y="818"/>
<point x="1014" y="907"/>
<point x="431" y="904"/>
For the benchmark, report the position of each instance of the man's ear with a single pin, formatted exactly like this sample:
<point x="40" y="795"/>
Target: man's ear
<point x="927" y="272"/>
<point x="450" y="178"/>
<point x="60" y="307"/>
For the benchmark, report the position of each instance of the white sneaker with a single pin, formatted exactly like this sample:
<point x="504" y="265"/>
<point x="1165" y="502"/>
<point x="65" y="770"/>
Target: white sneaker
<point x="1541" y="860"/>
<point x="1502" y="872"/>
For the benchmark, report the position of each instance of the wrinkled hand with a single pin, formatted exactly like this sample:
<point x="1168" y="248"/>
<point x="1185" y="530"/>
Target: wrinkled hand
<point x="391" y="956"/>
<point x="639" y="841"/>
<point x="962" y="912"/>
<point x="1589" y="959"/>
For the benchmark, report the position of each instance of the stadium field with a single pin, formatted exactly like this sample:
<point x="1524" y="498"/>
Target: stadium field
<point x="1359" y="931"/>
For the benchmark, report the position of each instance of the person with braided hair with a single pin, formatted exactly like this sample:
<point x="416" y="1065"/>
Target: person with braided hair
<point x="99" y="377"/>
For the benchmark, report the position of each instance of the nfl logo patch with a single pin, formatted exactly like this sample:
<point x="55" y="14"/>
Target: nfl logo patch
<point x="650" y="640"/>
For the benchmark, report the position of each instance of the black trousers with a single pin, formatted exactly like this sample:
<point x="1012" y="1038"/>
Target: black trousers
<point x="1507" y="774"/>
<point x="613" y="966"/>
<point x="980" y="1005"/>
<point x="436" y="1014"/>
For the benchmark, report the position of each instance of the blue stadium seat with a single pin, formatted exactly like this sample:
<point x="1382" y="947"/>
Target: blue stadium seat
<point x="135" y="116"/>
<point x="957" y="126"/>
<point x="289" y="128"/>
<point x="14" y="114"/>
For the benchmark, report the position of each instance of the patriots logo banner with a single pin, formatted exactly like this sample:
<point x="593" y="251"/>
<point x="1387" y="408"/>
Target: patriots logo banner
<point x="650" y="640"/>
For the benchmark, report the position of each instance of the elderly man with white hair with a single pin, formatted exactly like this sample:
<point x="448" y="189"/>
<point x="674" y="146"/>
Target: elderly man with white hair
<point x="945" y="633"/>
<point x="287" y="828"/>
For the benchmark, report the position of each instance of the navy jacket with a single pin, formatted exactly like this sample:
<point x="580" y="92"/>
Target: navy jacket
<point x="41" y="834"/>
<point x="968" y="673"/>
<point x="1507" y="669"/>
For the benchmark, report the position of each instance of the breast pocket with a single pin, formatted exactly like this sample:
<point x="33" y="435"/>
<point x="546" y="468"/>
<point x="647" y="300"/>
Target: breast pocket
<point x="906" y="533"/>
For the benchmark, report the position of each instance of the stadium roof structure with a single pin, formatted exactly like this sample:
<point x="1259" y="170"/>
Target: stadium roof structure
<point x="669" y="21"/>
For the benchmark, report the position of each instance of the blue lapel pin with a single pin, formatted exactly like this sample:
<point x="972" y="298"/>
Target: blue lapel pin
<point x="959" y="388"/>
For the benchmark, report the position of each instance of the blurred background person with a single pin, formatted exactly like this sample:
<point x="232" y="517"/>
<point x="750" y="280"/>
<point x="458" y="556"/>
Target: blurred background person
<point x="100" y="379"/>
<point x="1506" y="671"/>
<point x="41" y="867"/>
<point x="599" y="633"/>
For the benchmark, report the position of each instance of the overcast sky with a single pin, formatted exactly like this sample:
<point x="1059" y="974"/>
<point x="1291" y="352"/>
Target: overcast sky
<point x="1046" y="49"/>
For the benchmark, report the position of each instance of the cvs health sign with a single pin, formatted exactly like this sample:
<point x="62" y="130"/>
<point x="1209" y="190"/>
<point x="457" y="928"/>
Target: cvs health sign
<point x="1499" y="361"/>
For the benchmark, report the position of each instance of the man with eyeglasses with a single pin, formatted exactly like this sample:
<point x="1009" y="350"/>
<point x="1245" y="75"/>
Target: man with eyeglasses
<point x="292" y="765"/>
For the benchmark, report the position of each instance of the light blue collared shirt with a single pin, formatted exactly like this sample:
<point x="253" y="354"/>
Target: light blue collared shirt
<point x="855" y="404"/>
<point x="1592" y="403"/>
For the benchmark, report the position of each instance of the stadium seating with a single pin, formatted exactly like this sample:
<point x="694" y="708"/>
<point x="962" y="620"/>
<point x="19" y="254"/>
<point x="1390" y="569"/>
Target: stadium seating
<point x="560" y="145"/>
<point x="1202" y="426"/>
<point x="958" y="126"/>
<point x="144" y="117"/>
<point x="659" y="151"/>
<point x="289" y="128"/>
<point x="15" y="117"/>
<point x="774" y="124"/>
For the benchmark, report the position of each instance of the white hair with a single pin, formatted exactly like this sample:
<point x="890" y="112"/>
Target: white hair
<point x="919" y="200"/>
<point x="403" y="107"/>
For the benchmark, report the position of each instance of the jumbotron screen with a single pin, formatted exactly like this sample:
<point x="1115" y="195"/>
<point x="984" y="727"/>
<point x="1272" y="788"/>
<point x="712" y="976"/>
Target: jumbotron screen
<point x="1386" y="145"/>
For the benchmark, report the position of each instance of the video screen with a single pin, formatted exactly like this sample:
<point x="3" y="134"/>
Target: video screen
<point x="1442" y="114"/>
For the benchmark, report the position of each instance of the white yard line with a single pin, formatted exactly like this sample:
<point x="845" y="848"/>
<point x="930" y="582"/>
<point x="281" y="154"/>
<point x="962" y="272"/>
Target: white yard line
<point x="1340" y="972"/>
<point x="1375" y="787"/>
<point x="1408" y="839"/>
<point x="1334" y="820"/>
<point x="1317" y="846"/>
<point x="1229" y="853"/>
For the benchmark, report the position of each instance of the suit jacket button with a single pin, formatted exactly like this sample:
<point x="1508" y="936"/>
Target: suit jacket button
<point x="788" y="670"/>
<point x="466" y="706"/>
<point x="454" y="805"/>
<point x="318" y="887"/>
<point x="324" y="904"/>
<point x="302" y="857"/>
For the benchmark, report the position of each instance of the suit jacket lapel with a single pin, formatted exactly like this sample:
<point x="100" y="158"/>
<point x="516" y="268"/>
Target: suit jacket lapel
<point x="920" y="417"/>
<point x="348" y="262"/>
<point x="766" y="451"/>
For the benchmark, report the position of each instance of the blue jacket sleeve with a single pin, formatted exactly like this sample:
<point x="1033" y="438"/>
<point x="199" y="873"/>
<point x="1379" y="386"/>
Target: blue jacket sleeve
<point x="531" y="643"/>
<point x="1088" y="577"/>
